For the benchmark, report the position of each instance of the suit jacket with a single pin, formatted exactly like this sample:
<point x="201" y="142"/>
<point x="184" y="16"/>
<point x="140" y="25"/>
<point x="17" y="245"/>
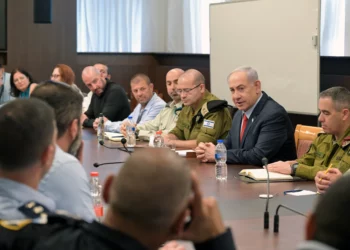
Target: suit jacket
<point x="269" y="133"/>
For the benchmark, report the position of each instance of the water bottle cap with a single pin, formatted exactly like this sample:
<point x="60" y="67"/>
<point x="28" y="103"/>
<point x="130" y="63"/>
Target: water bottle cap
<point x="133" y="129"/>
<point x="220" y="141"/>
<point x="94" y="174"/>
<point x="159" y="132"/>
<point x="130" y="117"/>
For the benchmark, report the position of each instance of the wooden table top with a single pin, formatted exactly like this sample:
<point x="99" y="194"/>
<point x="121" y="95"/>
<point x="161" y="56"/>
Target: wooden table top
<point x="241" y="207"/>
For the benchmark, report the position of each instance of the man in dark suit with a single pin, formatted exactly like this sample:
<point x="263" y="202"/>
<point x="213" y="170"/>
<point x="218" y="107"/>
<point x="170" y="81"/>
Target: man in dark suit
<point x="261" y="128"/>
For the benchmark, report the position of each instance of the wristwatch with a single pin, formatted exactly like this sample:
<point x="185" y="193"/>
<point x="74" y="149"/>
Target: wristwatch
<point x="293" y="168"/>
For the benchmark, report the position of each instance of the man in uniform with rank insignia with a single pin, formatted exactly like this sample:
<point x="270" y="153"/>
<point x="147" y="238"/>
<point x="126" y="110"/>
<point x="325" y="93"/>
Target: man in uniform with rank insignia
<point x="204" y="117"/>
<point x="330" y="149"/>
<point x="28" y="142"/>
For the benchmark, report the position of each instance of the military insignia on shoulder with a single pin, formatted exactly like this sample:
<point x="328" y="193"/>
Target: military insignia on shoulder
<point x="33" y="209"/>
<point x="346" y="142"/>
<point x="205" y="109"/>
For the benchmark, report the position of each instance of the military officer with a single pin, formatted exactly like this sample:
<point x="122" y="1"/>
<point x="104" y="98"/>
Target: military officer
<point x="332" y="148"/>
<point x="30" y="127"/>
<point x="203" y="119"/>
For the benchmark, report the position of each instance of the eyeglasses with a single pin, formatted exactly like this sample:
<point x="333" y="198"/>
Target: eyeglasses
<point x="179" y="91"/>
<point x="55" y="76"/>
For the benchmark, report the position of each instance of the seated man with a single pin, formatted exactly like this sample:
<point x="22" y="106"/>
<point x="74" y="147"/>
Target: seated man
<point x="104" y="72"/>
<point x="331" y="147"/>
<point x="328" y="226"/>
<point x="260" y="128"/>
<point x="324" y="180"/>
<point x="66" y="182"/>
<point x="141" y="215"/>
<point x="197" y="122"/>
<point x="167" y="117"/>
<point x="28" y="138"/>
<point x="148" y="107"/>
<point x="109" y="98"/>
<point x="5" y="87"/>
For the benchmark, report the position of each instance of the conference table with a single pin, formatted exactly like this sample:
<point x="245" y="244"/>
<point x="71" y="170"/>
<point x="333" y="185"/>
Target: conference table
<point x="239" y="202"/>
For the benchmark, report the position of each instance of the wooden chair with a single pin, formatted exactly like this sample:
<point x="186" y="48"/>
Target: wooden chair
<point x="304" y="136"/>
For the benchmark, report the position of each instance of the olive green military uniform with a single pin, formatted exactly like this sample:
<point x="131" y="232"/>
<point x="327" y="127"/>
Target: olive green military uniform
<point x="325" y="151"/>
<point x="213" y="126"/>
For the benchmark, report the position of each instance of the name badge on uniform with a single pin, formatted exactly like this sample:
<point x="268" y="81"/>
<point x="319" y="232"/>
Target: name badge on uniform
<point x="208" y="124"/>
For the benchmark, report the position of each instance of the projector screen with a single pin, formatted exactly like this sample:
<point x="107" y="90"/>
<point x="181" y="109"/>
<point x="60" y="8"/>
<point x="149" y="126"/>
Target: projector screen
<point x="278" y="38"/>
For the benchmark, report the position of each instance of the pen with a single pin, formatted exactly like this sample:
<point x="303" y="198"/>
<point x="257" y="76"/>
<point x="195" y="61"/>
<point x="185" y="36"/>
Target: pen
<point x="292" y="191"/>
<point x="325" y="173"/>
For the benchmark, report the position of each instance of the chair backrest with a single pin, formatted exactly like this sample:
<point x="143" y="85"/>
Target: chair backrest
<point x="304" y="136"/>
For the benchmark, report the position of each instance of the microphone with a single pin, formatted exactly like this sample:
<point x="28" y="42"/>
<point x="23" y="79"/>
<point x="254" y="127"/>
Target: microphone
<point x="123" y="141"/>
<point x="276" y="219"/>
<point x="96" y="165"/>
<point x="266" y="213"/>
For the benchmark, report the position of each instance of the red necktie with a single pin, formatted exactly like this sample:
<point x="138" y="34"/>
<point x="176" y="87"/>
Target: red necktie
<point x="244" y="125"/>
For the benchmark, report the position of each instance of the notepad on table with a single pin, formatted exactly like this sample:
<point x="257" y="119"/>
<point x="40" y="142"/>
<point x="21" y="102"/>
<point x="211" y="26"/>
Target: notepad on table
<point x="185" y="152"/>
<point x="113" y="136"/>
<point x="261" y="175"/>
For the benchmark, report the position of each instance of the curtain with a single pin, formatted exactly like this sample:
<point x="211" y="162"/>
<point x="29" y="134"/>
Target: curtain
<point x="174" y="26"/>
<point x="332" y="27"/>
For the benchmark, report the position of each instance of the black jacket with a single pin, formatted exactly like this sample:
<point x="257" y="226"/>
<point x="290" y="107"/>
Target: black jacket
<point x="60" y="232"/>
<point x="113" y="103"/>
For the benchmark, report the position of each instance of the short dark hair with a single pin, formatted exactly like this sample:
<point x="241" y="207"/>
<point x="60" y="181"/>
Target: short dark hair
<point x="14" y="91"/>
<point x="66" y="102"/>
<point x="136" y="78"/>
<point x="27" y="128"/>
<point x="339" y="95"/>
<point x="332" y="215"/>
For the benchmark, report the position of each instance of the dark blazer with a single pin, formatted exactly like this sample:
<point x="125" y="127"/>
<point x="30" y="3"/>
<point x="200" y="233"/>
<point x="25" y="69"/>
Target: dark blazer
<point x="269" y="133"/>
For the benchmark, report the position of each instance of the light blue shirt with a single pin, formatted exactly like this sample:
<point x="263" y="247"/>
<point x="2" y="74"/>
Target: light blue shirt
<point x="152" y="109"/>
<point x="250" y="111"/>
<point x="5" y="89"/>
<point x="14" y="195"/>
<point x="67" y="184"/>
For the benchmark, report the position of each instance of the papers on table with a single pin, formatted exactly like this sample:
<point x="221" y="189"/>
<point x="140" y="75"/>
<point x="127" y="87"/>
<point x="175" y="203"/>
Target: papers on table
<point x="113" y="136"/>
<point x="302" y="193"/>
<point x="184" y="152"/>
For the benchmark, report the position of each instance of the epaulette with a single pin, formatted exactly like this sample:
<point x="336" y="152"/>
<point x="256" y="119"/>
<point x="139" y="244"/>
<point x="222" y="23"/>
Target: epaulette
<point x="213" y="106"/>
<point x="33" y="209"/>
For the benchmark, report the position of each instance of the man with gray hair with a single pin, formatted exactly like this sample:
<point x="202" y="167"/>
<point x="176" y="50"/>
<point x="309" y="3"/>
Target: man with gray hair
<point x="329" y="149"/>
<point x="142" y="214"/>
<point x="261" y="128"/>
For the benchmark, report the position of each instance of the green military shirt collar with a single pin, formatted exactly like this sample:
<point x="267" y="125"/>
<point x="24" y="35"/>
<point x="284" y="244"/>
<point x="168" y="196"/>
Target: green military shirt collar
<point x="207" y="97"/>
<point x="345" y="139"/>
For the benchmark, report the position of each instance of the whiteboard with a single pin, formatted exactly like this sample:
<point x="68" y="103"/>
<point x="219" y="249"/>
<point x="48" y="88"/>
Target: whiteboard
<point x="278" y="38"/>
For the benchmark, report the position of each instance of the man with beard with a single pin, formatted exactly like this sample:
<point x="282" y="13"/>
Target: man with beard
<point x="108" y="98"/>
<point x="148" y="107"/>
<point x="167" y="117"/>
<point x="66" y="182"/>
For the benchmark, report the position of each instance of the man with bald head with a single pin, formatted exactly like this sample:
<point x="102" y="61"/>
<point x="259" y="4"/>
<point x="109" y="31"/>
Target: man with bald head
<point x="167" y="117"/>
<point x="197" y="121"/>
<point x="261" y="128"/>
<point x="108" y="98"/>
<point x="142" y="214"/>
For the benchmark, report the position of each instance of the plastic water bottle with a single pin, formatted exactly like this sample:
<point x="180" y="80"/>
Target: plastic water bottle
<point x="101" y="128"/>
<point x="220" y="158"/>
<point x="96" y="194"/>
<point x="131" y="140"/>
<point x="158" y="141"/>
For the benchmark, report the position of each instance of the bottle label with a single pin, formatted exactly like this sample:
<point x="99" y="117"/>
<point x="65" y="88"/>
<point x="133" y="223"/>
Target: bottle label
<point x="98" y="210"/>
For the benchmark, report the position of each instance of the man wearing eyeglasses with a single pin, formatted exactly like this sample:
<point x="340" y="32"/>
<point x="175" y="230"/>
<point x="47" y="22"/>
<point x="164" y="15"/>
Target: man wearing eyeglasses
<point x="4" y="86"/>
<point x="196" y="123"/>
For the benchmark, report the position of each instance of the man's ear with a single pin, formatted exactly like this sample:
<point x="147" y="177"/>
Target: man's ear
<point x="73" y="128"/>
<point x="109" y="76"/>
<point x="346" y="114"/>
<point x="258" y="86"/>
<point x="151" y="85"/>
<point x="310" y="227"/>
<point x="107" y="187"/>
<point x="47" y="156"/>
